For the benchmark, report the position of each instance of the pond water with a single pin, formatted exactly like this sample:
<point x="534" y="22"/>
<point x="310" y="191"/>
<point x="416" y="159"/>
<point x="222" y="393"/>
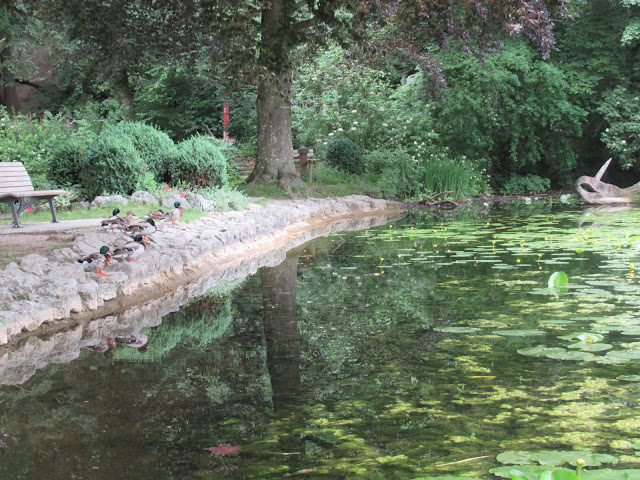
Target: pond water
<point x="378" y="354"/>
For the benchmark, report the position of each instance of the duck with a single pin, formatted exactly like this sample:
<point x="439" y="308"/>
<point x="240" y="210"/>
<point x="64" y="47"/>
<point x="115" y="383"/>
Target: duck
<point x="130" y="250"/>
<point x="155" y="215"/>
<point x="112" y="220"/>
<point x="175" y="214"/>
<point x="100" y="260"/>
<point x="144" y="228"/>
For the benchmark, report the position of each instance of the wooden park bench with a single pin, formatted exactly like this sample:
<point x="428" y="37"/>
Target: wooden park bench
<point x="17" y="190"/>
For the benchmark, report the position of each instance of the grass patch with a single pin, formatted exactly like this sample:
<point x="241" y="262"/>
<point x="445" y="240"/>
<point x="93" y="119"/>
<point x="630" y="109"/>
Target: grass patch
<point x="327" y="182"/>
<point x="140" y="209"/>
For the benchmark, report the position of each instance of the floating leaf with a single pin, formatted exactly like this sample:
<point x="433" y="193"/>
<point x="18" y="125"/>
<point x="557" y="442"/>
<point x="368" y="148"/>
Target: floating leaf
<point x="586" y="337"/>
<point x="519" y="333"/>
<point x="625" y="355"/>
<point x="591" y="347"/>
<point x="555" y="458"/>
<point x="232" y="450"/>
<point x="540" y="350"/>
<point x="573" y="355"/>
<point x="515" y="458"/>
<point x="557" y="280"/>
<point x="456" y="329"/>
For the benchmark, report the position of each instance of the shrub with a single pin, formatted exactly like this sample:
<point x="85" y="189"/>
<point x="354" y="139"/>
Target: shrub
<point x="112" y="165"/>
<point x="436" y="175"/>
<point x="155" y="148"/>
<point x="380" y="160"/>
<point x="345" y="154"/>
<point x="521" y="185"/>
<point x="64" y="163"/>
<point x="198" y="162"/>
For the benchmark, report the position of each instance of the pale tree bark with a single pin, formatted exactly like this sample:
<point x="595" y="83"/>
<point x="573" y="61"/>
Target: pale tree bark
<point x="275" y="145"/>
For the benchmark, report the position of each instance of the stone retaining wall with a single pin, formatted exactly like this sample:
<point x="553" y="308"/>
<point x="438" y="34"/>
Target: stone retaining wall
<point x="38" y="292"/>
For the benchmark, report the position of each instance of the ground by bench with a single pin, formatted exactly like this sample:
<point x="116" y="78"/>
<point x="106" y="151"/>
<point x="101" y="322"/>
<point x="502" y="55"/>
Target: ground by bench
<point x="17" y="191"/>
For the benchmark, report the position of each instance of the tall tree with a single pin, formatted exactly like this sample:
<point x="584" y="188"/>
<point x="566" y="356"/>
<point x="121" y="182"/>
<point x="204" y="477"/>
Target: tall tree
<point x="255" y="40"/>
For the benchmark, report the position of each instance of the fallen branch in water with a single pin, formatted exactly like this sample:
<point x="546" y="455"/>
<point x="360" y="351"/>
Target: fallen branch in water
<point x="462" y="461"/>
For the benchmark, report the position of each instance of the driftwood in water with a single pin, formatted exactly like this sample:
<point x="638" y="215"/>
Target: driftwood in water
<point x="441" y="204"/>
<point x="594" y="191"/>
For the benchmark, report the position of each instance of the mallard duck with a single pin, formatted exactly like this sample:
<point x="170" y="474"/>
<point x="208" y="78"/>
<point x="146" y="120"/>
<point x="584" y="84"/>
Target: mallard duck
<point x="130" y="250"/>
<point x="112" y="220"/>
<point x="175" y="214"/>
<point x="101" y="259"/>
<point x="156" y="214"/>
<point x="144" y="228"/>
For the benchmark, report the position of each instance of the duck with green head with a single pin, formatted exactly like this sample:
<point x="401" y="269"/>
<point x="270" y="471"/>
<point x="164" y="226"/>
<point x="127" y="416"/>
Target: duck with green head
<point x="130" y="250"/>
<point x="175" y="214"/>
<point x="144" y="228"/>
<point x="100" y="260"/>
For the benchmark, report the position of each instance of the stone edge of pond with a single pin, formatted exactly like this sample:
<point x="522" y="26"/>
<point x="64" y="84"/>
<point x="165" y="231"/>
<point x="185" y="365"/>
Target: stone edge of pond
<point x="37" y="291"/>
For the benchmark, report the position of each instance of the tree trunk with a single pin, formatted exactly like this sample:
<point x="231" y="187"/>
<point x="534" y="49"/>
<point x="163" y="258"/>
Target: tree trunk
<point x="275" y="146"/>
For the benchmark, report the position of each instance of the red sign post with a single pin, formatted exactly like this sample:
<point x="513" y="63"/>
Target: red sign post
<point x="225" y="121"/>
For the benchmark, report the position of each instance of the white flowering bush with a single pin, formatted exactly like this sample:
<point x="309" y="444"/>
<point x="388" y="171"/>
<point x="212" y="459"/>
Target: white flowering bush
<point x="621" y="110"/>
<point x="34" y="141"/>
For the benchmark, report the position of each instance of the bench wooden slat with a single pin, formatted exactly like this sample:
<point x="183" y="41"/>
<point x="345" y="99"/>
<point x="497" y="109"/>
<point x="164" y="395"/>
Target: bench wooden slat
<point x="16" y="189"/>
<point x="15" y="183"/>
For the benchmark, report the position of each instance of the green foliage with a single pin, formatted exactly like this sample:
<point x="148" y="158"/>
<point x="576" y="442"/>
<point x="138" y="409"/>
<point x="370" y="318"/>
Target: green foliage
<point x="524" y="184"/>
<point x="198" y="163"/>
<point x="621" y="110"/>
<point x="181" y="101"/>
<point x="513" y="109"/>
<point x="425" y="178"/>
<point x="345" y="154"/>
<point x="111" y="165"/>
<point x="37" y="142"/>
<point x="64" y="164"/>
<point x="156" y="149"/>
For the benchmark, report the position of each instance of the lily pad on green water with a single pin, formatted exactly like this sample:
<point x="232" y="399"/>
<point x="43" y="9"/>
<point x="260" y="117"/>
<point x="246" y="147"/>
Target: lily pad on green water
<point x="591" y="347"/>
<point x="456" y="329"/>
<point x="626" y="354"/>
<point x="572" y="355"/>
<point x="540" y="350"/>
<point x="557" y="280"/>
<point x="555" y="458"/>
<point x="585" y="337"/>
<point x="519" y="333"/>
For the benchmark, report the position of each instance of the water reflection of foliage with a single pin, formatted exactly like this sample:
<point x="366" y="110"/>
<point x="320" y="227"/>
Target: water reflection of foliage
<point x="199" y="323"/>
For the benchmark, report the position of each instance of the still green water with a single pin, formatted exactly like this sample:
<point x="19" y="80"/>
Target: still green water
<point x="364" y="355"/>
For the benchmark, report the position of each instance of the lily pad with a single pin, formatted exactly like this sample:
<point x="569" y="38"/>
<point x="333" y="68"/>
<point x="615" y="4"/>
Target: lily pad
<point x="457" y="329"/>
<point x="591" y="347"/>
<point x="515" y="458"/>
<point x="555" y="458"/>
<point x="626" y="354"/>
<point x="572" y="355"/>
<point x="557" y="280"/>
<point x="540" y="350"/>
<point x="586" y="337"/>
<point x="519" y="333"/>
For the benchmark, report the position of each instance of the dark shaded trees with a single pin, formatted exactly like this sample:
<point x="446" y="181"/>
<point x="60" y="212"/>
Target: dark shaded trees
<point x="254" y="41"/>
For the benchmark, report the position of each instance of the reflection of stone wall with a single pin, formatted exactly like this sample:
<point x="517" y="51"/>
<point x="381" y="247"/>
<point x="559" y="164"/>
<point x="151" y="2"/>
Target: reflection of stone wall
<point x="226" y="246"/>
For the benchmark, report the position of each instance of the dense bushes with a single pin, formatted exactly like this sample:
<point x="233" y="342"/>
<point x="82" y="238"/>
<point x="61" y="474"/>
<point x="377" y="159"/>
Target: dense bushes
<point x="156" y="149"/>
<point x="345" y="154"/>
<point x="111" y="165"/>
<point x="64" y="163"/>
<point x="198" y="162"/>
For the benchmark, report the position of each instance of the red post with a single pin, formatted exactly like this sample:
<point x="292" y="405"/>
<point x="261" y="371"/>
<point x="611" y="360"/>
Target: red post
<point x="225" y="121"/>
